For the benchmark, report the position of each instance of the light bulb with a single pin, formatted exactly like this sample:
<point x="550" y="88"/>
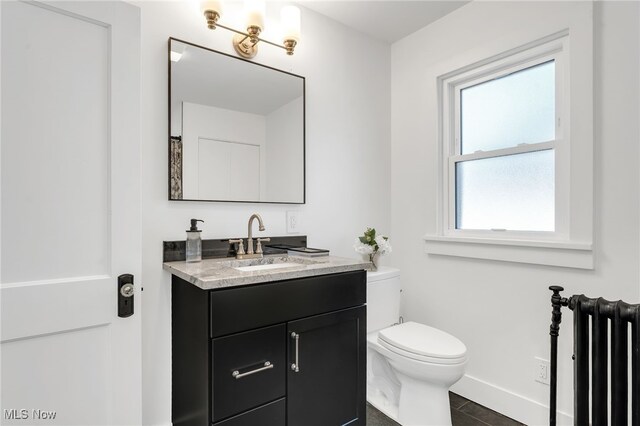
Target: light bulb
<point x="213" y="5"/>
<point x="290" y="21"/>
<point x="254" y="13"/>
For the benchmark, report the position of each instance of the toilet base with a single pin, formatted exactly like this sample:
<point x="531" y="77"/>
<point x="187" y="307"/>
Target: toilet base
<point x="383" y="388"/>
<point x="422" y="407"/>
<point x="406" y="400"/>
<point x="384" y="407"/>
<point x="422" y="404"/>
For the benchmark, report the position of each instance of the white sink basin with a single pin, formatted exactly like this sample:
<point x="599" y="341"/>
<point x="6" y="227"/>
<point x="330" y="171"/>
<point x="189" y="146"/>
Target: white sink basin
<point x="267" y="267"/>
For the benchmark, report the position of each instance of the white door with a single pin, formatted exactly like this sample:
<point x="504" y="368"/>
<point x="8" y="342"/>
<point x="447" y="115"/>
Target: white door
<point x="70" y="212"/>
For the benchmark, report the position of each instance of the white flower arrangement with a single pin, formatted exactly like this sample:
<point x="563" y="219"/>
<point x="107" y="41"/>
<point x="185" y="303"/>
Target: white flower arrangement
<point x="383" y="245"/>
<point x="362" y="248"/>
<point x="372" y="245"/>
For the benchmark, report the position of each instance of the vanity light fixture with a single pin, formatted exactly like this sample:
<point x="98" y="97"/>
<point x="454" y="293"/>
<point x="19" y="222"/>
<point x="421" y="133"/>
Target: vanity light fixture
<point x="246" y="42"/>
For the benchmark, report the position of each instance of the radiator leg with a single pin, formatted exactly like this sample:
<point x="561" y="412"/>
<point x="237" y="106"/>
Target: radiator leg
<point x="599" y="367"/>
<point x="581" y="362"/>
<point x="619" y="373"/>
<point x="635" y="368"/>
<point x="554" y="331"/>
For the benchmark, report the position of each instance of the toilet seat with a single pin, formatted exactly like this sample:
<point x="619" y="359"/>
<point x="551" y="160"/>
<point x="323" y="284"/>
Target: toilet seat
<point x="423" y="343"/>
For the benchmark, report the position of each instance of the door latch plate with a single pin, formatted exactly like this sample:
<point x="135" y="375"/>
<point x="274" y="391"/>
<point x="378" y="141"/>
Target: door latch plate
<point x="126" y="292"/>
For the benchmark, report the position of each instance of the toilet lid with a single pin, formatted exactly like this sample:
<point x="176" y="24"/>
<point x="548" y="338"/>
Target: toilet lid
<point x="423" y="340"/>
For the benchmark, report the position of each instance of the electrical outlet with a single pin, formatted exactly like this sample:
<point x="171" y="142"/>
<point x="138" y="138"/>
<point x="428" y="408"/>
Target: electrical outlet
<point x="542" y="371"/>
<point x="293" y="222"/>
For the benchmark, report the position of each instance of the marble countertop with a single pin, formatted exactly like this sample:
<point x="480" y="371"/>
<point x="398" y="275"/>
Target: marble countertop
<point x="210" y="274"/>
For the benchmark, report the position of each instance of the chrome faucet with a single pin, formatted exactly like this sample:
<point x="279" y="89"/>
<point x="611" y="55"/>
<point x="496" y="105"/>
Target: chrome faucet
<point x="240" y="254"/>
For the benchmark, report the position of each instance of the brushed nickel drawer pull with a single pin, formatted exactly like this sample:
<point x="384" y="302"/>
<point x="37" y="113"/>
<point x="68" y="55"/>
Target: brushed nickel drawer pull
<point x="239" y="375"/>
<point x="296" y="365"/>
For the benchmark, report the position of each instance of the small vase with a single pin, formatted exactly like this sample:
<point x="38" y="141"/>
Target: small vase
<point x="372" y="259"/>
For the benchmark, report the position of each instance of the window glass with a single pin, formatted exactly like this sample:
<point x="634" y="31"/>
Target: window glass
<point x="512" y="192"/>
<point x="514" y="109"/>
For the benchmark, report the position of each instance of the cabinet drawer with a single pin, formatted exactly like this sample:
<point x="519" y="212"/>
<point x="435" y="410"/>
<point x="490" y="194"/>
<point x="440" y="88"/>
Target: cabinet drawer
<point x="248" y="370"/>
<point x="271" y="414"/>
<point x="243" y="308"/>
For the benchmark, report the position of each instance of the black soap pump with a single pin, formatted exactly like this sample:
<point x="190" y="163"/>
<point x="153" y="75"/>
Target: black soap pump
<point x="194" y="242"/>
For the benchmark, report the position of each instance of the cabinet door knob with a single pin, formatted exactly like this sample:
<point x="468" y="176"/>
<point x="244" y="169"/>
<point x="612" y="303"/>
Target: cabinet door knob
<point x="296" y="365"/>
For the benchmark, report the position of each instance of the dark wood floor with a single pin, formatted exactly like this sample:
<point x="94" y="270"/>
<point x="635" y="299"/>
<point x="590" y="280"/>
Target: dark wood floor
<point x="463" y="413"/>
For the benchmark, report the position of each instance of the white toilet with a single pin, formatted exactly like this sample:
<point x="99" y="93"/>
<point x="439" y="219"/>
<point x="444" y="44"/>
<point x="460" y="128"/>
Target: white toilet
<point x="410" y="366"/>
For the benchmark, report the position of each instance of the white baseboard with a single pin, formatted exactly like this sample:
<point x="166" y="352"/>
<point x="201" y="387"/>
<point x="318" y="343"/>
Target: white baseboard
<point x="510" y="404"/>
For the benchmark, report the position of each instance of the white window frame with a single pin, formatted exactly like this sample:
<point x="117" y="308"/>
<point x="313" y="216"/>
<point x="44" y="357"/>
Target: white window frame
<point x="570" y="244"/>
<point x="451" y="122"/>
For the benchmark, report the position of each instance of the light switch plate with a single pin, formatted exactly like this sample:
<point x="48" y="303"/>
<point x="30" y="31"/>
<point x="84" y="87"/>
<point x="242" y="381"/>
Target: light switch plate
<point x="293" y="222"/>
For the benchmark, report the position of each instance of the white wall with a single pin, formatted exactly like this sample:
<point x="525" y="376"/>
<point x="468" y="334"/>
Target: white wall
<point x="501" y="311"/>
<point x="284" y="151"/>
<point x="348" y="169"/>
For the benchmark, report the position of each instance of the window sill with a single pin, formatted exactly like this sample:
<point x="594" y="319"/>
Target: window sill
<point x="550" y="253"/>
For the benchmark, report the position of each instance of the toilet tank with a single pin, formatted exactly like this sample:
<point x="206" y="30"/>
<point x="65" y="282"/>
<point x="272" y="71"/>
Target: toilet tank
<point x="383" y="298"/>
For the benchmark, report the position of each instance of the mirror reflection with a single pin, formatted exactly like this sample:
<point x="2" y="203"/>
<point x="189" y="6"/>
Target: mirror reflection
<point x="236" y="129"/>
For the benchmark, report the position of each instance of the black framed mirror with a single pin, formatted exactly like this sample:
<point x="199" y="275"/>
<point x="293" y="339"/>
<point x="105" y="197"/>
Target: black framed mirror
<point x="236" y="129"/>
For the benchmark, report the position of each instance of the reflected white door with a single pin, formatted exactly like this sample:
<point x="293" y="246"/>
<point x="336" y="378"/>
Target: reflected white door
<point x="70" y="213"/>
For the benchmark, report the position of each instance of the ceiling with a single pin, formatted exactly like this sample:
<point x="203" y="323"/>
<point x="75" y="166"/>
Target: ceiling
<point x="208" y="78"/>
<point x="384" y="20"/>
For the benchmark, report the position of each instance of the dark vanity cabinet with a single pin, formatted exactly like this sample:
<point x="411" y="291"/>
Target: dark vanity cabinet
<point x="282" y="353"/>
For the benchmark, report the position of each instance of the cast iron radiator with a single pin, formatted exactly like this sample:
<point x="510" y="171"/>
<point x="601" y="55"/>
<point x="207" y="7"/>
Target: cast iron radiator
<point x="591" y="340"/>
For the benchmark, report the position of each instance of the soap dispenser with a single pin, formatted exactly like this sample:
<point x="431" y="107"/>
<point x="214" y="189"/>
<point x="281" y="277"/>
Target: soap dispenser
<point x="194" y="242"/>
